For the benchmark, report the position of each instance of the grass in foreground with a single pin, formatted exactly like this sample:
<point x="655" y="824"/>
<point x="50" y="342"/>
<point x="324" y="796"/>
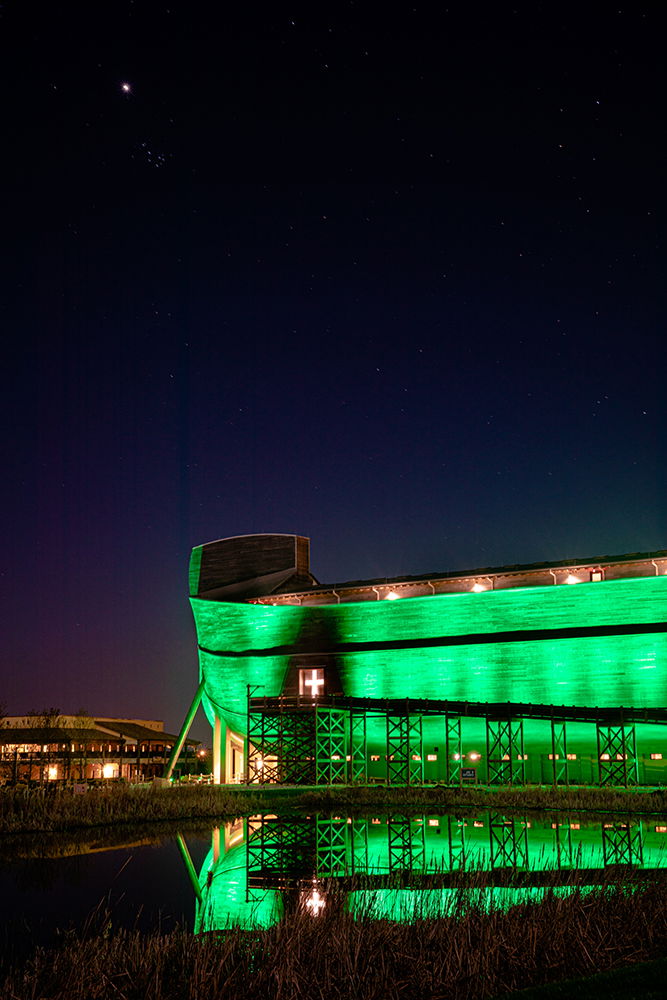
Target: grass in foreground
<point x="45" y="810"/>
<point x="472" y="955"/>
<point x="643" y="981"/>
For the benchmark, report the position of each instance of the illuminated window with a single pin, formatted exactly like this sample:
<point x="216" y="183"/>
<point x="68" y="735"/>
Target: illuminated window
<point x="572" y="756"/>
<point x="311" y="682"/>
<point x="596" y="575"/>
<point x="375" y="756"/>
<point x="554" y="756"/>
<point x="434" y="822"/>
<point x="575" y="826"/>
<point x="478" y="824"/>
<point x="604" y="756"/>
<point x="432" y="756"/>
<point x="416" y="756"/>
<point x="656" y="756"/>
<point x="661" y="829"/>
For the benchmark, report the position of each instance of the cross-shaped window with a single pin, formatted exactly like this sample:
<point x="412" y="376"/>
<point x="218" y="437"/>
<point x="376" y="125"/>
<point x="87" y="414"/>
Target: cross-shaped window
<point x="311" y="682"/>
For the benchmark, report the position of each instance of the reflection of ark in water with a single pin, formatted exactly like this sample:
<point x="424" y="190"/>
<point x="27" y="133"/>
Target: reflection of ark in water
<point x="542" y="673"/>
<point x="399" y="867"/>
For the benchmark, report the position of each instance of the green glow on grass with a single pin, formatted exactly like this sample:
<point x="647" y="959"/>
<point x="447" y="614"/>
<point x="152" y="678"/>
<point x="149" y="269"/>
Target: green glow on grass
<point x="406" y="906"/>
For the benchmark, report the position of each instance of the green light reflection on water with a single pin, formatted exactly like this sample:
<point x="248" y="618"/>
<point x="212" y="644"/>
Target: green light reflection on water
<point x="574" y="845"/>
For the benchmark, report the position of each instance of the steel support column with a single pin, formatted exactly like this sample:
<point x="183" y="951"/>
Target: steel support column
<point x="504" y="751"/>
<point x="330" y="746"/>
<point x="405" y="760"/>
<point x="559" y="753"/>
<point x="617" y="755"/>
<point x="358" y="746"/>
<point x="453" y="749"/>
<point x="218" y="749"/>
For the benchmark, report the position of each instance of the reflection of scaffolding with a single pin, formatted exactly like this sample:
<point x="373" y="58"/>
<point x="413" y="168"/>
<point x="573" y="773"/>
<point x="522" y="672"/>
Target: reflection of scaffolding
<point x="405" y="838"/>
<point x="332" y="847"/>
<point x="508" y="842"/>
<point x="623" y="844"/>
<point x="405" y="761"/>
<point x="617" y="755"/>
<point x="330" y="746"/>
<point x="359" y="847"/>
<point x="563" y="845"/>
<point x="457" y="844"/>
<point x="504" y="751"/>
<point x="279" y="849"/>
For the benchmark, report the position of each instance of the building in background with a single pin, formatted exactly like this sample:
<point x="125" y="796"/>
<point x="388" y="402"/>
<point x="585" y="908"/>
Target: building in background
<point x="48" y="746"/>
<point x="553" y="672"/>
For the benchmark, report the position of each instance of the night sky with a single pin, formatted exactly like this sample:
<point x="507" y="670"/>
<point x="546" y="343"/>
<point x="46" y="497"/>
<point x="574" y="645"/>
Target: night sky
<point x="390" y="276"/>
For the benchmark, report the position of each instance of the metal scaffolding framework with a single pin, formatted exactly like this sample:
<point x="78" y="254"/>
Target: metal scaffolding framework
<point x="405" y="756"/>
<point x="617" y="755"/>
<point x="504" y="751"/>
<point x="331" y="732"/>
<point x="559" y="752"/>
<point x="453" y="748"/>
<point x="325" y="740"/>
<point x="358" y="746"/>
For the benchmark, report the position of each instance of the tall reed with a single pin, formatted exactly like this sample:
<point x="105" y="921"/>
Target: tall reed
<point x="474" y="954"/>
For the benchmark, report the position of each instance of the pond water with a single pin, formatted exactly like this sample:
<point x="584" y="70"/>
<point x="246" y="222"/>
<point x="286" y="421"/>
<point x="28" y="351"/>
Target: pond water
<point x="249" y="873"/>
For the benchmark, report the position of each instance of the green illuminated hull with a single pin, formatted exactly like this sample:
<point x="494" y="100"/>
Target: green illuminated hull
<point x="595" y="644"/>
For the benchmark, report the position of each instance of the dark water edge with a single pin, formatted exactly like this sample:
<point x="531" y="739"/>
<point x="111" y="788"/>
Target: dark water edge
<point x="90" y="885"/>
<point x="115" y="879"/>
